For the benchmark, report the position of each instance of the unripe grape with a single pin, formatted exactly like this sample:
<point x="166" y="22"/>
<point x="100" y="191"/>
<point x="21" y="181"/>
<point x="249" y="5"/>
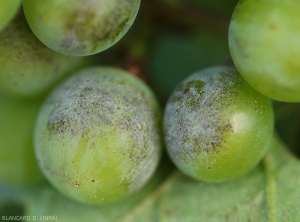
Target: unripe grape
<point x="17" y="160"/>
<point x="216" y="126"/>
<point x="27" y="67"/>
<point x="8" y="9"/>
<point x="80" y="28"/>
<point x="97" y="137"/>
<point x="265" y="46"/>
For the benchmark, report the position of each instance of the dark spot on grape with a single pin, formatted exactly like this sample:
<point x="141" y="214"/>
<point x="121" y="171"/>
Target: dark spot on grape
<point x="246" y="56"/>
<point x="167" y="212"/>
<point x="189" y="89"/>
<point x="93" y="180"/>
<point x="206" y="126"/>
<point x="66" y="43"/>
<point x="58" y="125"/>
<point x="273" y="26"/>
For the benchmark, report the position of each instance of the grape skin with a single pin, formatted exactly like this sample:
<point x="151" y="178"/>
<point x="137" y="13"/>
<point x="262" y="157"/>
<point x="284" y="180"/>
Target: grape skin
<point x="97" y="136"/>
<point x="264" y="44"/>
<point x="216" y="126"/>
<point x="80" y="28"/>
<point x="8" y="9"/>
<point x="17" y="160"/>
<point x="28" y="68"/>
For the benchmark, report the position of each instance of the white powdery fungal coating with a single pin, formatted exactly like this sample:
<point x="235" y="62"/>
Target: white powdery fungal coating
<point x="97" y="137"/>
<point x="216" y="126"/>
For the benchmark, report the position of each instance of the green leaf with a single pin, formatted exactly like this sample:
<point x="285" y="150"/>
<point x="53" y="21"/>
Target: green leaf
<point x="267" y="193"/>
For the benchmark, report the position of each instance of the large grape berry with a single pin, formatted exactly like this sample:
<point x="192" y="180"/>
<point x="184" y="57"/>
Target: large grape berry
<point x="265" y="46"/>
<point x="97" y="137"/>
<point x="8" y="9"/>
<point x="80" y="27"/>
<point x="216" y="126"/>
<point x="27" y="67"/>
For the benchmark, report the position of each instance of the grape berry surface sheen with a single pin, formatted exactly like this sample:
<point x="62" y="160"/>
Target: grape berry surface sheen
<point x="216" y="126"/>
<point x="80" y="28"/>
<point x="98" y="136"/>
<point x="265" y="46"/>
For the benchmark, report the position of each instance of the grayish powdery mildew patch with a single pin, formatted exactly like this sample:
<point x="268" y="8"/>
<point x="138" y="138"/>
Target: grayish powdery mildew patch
<point x="205" y="92"/>
<point x="103" y="104"/>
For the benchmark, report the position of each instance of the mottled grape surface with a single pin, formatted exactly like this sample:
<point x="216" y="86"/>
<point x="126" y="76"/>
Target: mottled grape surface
<point x="80" y="27"/>
<point x="18" y="165"/>
<point x="8" y="9"/>
<point x="265" y="46"/>
<point x="216" y="126"/>
<point x="97" y="137"/>
<point x="27" y="67"/>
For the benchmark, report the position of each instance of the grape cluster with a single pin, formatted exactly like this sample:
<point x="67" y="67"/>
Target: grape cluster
<point x="97" y="136"/>
<point x="96" y="133"/>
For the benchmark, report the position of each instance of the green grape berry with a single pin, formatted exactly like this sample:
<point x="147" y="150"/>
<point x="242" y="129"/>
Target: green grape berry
<point x="97" y="136"/>
<point x="18" y="165"/>
<point x="216" y="126"/>
<point x="27" y="67"/>
<point x="80" y="28"/>
<point x="8" y="9"/>
<point x="265" y="47"/>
